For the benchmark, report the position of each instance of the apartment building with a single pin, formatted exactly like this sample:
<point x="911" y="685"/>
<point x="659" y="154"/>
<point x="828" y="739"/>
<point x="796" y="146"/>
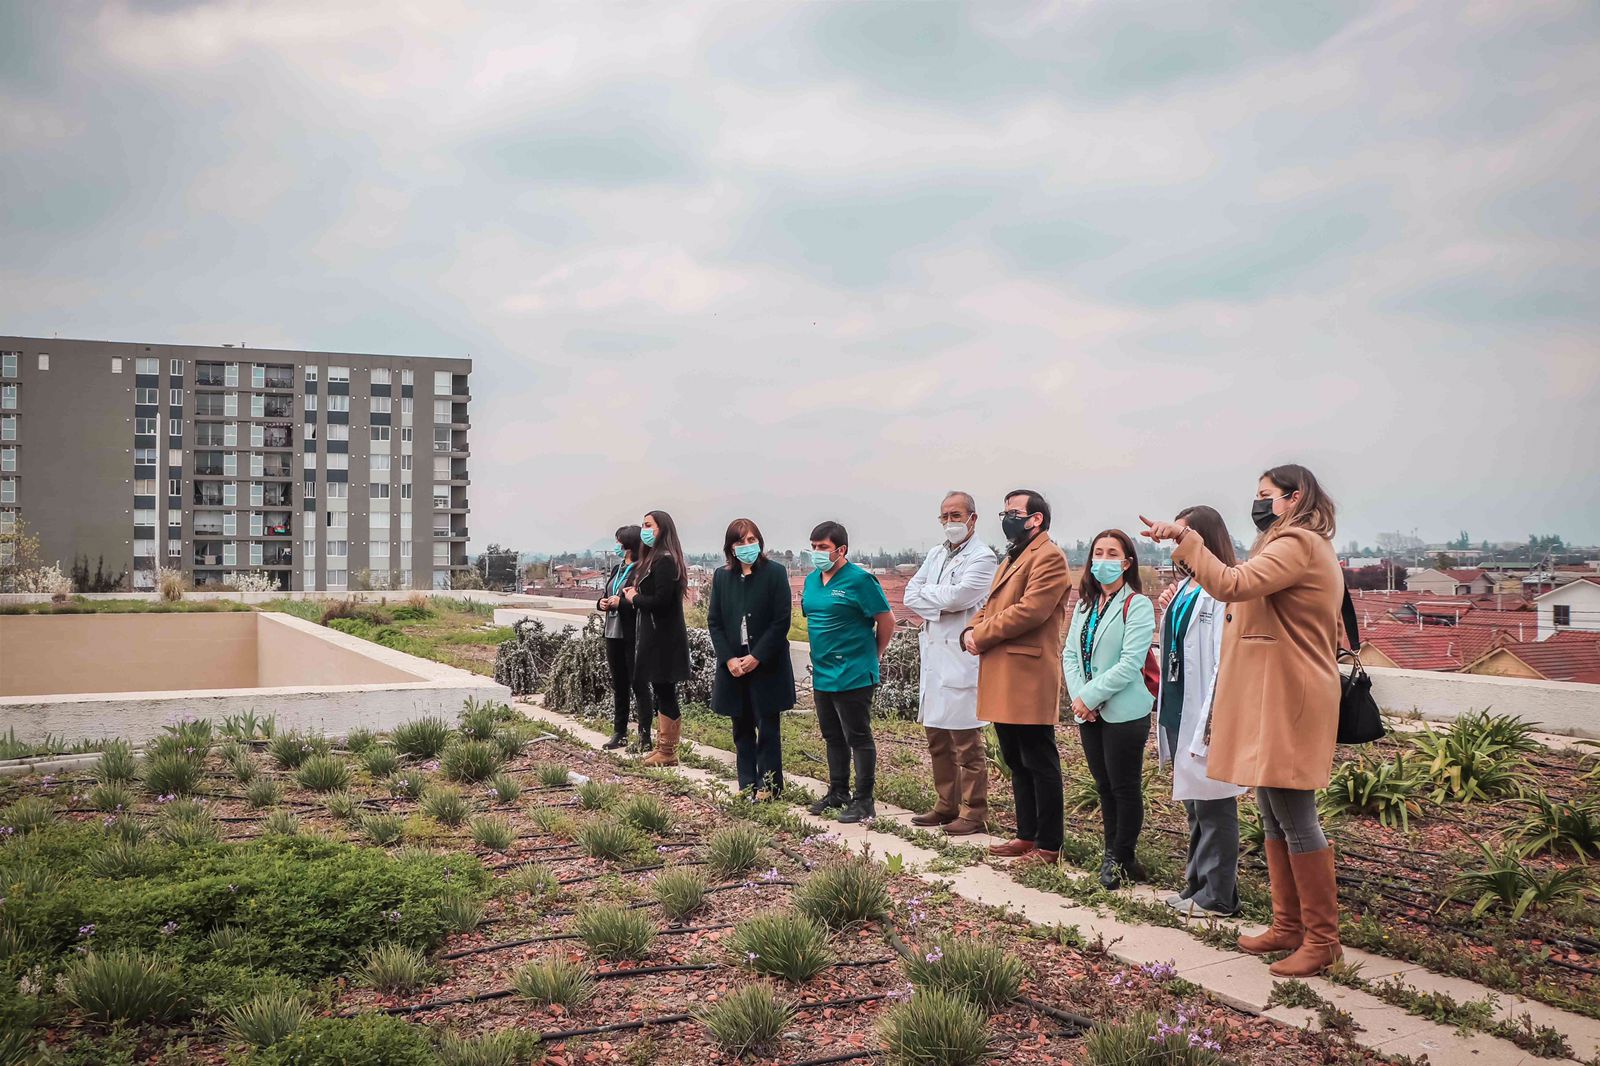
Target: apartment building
<point x="323" y="470"/>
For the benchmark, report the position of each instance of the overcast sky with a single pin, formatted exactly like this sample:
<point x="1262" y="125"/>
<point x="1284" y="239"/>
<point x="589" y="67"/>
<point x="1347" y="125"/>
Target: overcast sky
<point x="806" y="261"/>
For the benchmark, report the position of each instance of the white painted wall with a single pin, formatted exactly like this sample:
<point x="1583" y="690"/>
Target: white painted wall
<point x="1583" y="597"/>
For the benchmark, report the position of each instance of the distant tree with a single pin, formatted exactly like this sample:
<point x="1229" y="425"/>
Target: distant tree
<point x="1375" y="578"/>
<point x="100" y="581"/>
<point x="1443" y="561"/>
<point x="497" y="566"/>
<point x="466" y="579"/>
<point x="19" y="554"/>
<point x="1461" y="543"/>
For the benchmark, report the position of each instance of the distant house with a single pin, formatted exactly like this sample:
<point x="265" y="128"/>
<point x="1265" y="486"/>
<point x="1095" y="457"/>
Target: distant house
<point x="1573" y="655"/>
<point x="1450" y="582"/>
<point x="1573" y="606"/>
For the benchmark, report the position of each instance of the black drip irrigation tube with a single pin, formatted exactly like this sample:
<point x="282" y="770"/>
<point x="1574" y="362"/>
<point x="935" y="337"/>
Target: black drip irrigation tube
<point x="502" y="993"/>
<point x="484" y="949"/>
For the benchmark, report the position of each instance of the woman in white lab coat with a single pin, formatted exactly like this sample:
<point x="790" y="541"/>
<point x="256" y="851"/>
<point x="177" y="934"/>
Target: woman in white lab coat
<point x="952" y="583"/>
<point x="1190" y="649"/>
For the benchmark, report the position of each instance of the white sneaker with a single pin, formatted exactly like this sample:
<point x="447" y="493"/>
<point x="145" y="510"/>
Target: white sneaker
<point x="1177" y="901"/>
<point x="1192" y="909"/>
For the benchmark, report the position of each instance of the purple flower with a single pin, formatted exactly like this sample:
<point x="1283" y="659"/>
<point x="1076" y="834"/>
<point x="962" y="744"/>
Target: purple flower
<point x="86" y="931"/>
<point x="6" y="830"/>
<point x="935" y="955"/>
<point x="771" y="875"/>
<point x="233" y="888"/>
<point x="169" y="928"/>
<point x="751" y="956"/>
<point x="393" y="916"/>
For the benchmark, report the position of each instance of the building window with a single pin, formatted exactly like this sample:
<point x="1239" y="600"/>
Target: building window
<point x="378" y="549"/>
<point x="8" y="459"/>
<point x="379" y="433"/>
<point x="44" y="360"/>
<point x="311" y="401"/>
<point x="379" y="464"/>
<point x="147" y="366"/>
<point x="258" y="405"/>
<point x="405" y="491"/>
<point x="378" y="490"/>
<point x="338" y="373"/>
<point x="310" y="462"/>
<point x="175" y="397"/>
<point x="230" y="524"/>
<point x="338" y="490"/>
<point x="380" y="405"/>
<point x="144" y="548"/>
<point x="146" y="395"/>
<point x="174" y="520"/>
<point x="337" y="579"/>
<point x="441" y="382"/>
<point x="441" y="412"/>
<point x="1561" y="614"/>
<point x="144" y="425"/>
<point x="258" y="376"/>
<point x="8" y="364"/>
<point x="174" y="456"/>
<point x="8" y="490"/>
<point x="175" y="428"/>
<point x="144" y="516"/>
<point x="230" y="405"/>
<point x="255" y="554"/>
<point x="258" y="435"/>
<point x="174" y="549"/>
<point x="8" y="397"/>
<point x="338" y="403"/>
<point x="406" y="377"/>
<point x="8" y="523"/>
<point x="116" y="364"/>
<point x="311" y="373"/>
<point x="338" y="549"/>
<point x="175" y="368"/>
<point x="338" y="519"/>
<point x="380" y="376"/>
<point x="230" y="375"/>
<point x="338" y="430"/>
<point x="405" y="408"/>
<point x="175" y="488"/>
<point x="144" y="456"/>
<point x="405" y="463"/>
<point x="144" y="486"/>
<point x="308" y="549"/>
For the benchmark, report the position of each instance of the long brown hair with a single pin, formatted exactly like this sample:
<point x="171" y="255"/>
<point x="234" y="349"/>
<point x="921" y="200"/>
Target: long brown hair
<point x="1089" y="587"/>
<point x="1213" y="531"/>
<point x="736" y="532"/>
<point x="1314" y="510"/>
<point x="667" y="544"/>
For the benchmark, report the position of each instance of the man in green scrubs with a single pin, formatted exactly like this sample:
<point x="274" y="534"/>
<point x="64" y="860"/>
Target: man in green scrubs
<point x="850" y="624"/>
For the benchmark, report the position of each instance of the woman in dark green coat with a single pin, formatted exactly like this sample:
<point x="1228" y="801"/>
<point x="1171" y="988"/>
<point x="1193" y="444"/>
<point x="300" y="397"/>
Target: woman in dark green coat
<point x="749" y="623"/>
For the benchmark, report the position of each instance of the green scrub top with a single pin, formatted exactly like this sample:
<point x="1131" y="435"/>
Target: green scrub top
<point x="840" y="620"/>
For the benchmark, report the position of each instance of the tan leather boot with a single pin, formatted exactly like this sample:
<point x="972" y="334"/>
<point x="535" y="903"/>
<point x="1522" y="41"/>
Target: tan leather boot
<point x="1287" y="931"/>
<point x="666" y="753"/>
<point x="1319" y="913"/>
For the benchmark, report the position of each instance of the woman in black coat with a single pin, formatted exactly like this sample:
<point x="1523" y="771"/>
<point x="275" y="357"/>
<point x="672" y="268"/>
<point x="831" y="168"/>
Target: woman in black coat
<point x="749" y="623"/>
<point x="621" y="630"/>
<point x="661" y="658"/>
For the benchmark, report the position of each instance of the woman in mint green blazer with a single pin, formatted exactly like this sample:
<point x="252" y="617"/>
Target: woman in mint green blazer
<point x="1103" y="660"/>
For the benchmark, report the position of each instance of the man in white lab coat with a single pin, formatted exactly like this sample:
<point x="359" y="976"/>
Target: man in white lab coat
<point x="947" y="591"/>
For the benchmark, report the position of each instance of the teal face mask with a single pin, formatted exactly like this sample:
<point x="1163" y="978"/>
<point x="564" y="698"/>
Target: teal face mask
<point x="747" y="553"/>
<point x="1106" y="571"/>
<point x="820" y="559"/>
<point x="648" y="537"/>
<point x="616" y="549"/>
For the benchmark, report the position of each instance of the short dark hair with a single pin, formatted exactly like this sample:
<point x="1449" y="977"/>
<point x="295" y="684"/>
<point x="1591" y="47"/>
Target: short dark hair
<point x="1089" y="587"/>
<point x="628" y="537"/>
<point x="831" y="531"/>
<point x="736" y="531"/>
<point x="1037" y="504"/>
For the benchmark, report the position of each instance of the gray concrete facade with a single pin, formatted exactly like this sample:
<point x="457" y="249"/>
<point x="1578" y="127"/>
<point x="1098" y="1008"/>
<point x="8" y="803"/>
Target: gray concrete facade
<point x="325" y="470"/>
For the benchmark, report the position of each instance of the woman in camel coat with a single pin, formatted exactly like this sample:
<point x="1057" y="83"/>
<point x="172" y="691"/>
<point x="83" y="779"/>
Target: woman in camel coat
<point x="1276" y="709"/>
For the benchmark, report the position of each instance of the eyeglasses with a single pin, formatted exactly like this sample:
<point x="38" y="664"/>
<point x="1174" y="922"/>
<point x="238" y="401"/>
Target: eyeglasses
<point x="953" y="516"/>
<point x="1016" y="514"/>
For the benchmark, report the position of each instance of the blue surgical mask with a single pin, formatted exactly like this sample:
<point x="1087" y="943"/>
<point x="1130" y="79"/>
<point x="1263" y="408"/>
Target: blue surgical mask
<point x="1106" y="571"/>
<point x="747" y="553"/>
<point x="648" y="537"/>
<point x="820" y="559"/>
<point x="616" y="549"/>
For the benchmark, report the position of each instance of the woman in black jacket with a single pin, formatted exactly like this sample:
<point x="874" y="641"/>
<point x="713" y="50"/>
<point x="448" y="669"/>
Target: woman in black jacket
<point x="661" y="659"/>
<point x="621" y="629"/>
<point x="749" y="623"/>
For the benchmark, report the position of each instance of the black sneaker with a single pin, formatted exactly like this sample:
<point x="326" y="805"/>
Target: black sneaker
<point x="618" y="740"/>
<point x="1110" y="874"/>
<point x="858" y="811"/>
<point x="832" y="799"/>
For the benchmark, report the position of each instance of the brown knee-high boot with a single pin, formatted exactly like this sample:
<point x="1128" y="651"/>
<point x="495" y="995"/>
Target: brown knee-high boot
<point x="1319" y="913"/>
<point x="666" y="753"/>
<point x="1287" y="929"/>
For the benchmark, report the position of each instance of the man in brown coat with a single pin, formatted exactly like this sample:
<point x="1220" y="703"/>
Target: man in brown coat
<point x="1017" y="638"/>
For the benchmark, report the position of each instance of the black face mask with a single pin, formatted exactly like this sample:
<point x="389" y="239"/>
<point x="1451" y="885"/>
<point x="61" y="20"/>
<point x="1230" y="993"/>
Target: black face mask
<point x="1014" y="528"/>
<point x="1261" y="514"/>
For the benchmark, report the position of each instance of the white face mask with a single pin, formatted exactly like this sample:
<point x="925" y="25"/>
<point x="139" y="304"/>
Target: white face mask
<point x="955" y="532"/>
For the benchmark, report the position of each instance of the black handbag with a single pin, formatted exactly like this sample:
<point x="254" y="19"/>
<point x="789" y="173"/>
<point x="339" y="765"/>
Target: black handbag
<point x="1360" y="721"/>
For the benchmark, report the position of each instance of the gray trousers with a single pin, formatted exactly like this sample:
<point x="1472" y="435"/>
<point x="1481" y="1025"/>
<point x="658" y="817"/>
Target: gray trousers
<point x="1290" y="815"/>
<point x="1211" y="875"/>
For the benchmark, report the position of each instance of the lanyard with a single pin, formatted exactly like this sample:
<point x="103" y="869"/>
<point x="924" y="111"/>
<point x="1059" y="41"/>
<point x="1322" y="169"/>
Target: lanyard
<point x="1177" y="616"/>
<point x="622" y="577"/>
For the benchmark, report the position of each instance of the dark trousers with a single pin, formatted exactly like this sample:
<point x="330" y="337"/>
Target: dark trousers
<point x="845" y="719"/>
<point x="1030" y="752"/>
<point x="1115" y="754"/>
<point x="619" y="656"/>
<point x="758" y="746"/>
<point x="660" y="695"/>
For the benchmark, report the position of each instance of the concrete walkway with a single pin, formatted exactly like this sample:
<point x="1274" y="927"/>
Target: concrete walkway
<point x="1228" y="976"/>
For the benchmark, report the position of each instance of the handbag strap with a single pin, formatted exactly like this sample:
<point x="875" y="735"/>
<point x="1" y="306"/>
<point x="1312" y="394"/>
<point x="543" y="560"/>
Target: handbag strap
<point x="1351" y="630"/>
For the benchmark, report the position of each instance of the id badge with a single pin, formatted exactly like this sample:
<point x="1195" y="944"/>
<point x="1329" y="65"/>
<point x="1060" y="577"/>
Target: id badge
<point x="744" y="630"/>
<point x="1174" y="667"/>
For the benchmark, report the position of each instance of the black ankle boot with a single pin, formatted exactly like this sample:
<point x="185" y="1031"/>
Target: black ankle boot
<point x="836" y="797"/>
<point x="859" y="810"/>
<point x="1110" y="874"/>
<point x="618" y="739"/>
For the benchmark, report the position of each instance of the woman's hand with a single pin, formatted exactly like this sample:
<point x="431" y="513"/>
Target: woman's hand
<point x="1160" y="531"/>
<point x="1166" y="597"/>
<point x="1084" y="712"/>
<point x="630" y="592"/>
<point x="969" y="643"/>
<point x="749" y="663"/>
<point x="736" y="666"/>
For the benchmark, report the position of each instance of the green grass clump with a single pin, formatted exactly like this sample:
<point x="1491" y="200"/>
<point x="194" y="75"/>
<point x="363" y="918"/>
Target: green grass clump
<point x="359" y="740"/>
<point x="647" y="813"/>
<point x="493" y="832"/>
<point x="782" y="944"/>
<point x="118" y="858"/>
<point x="554" y="822"/>
<point x="936" y="1029"/>
<point x="1137" y="1040"/>
<point x="422" y="738"/>
<point x="505" y="1047"/>
<point x="610" y="840"/>
<point x="504" y="787"/>
<point x="323" y="773"/>
<point x="615" y="933"/>
<point x="382" y="829"/>
<point x="380" y="760"/>
<point x="289" y="750"/>
<point x="366" y="1040"/>
<point x="265" y="1019"/>
<point x="734" y="851"/>
<point x="976" y="970"/>
<point x="125" y="986"/>
<point x="680" y="892"/>
<point x="598" y="795"/>
<point x="748" y="1019"/>
<point x="479" y="720"/>
<point x="411" y="785"/>
<point x="28" y="815"/>
<point x="447" y="806"/>
<point x="117" y="764"/>
<point x="394" y="967"/>
<point x="844" y="894"/>
<point x="552" y="775"/>
<point x="556" y="980"/>
<point x="281" y="822"/>
<point x="470" y="761"/>
<point x="460" y="912"/>
<point x="263" y="792"/>
<point x="173" y="774"/>
<point x="113" y="797"/>
<point x="533" y="879"/>
<point x="341" y="805"/>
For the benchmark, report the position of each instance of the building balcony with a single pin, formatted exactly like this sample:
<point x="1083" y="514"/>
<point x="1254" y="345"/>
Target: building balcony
<point x="277" y="437"/>
<point x="280" y="378"/>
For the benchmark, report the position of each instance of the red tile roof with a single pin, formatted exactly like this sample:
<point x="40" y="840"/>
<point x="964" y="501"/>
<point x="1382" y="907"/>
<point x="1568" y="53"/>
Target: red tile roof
<point x="1572" y="655"/>
<point x="1431" y="647"/>
<point x="1466" y="575"/>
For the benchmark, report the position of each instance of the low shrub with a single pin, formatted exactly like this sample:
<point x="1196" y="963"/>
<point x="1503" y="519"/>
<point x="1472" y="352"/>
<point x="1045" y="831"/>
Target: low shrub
<point x="117" y="764"/>
<point x="323" y="773"/>
<point x="112" y="797"/>
<point x="846" y="893"/>
<point x="289" y="750"/>
<point x="680" y="892"/>
<point x="1550" y="826"/>
<point x="505" y="1047"/>
<point x="748" y="1019"/>
<point x="125" y="986"/>
<point x="263" y="792"/>
<point x="422" y="738"/>
<point x="382" y="829"/>
<point x="380" y="760"/>
<point x="281" y="822"/>
<point x="28" y="815"/>
<point x="411" y="785"/>
<point x="647" y="813"/>
<point x="782" y="944"/>
<point x="504" y="788"/>
<point x="975" y="970"/>
<point x="394" y="967"/>
<point x="470" y="761"/>
<point x="366" y="1040"/>
<point x="553" y="775"/>
<point x="493" y="832"/>
<point x="556" y="980"/>
<point x="265" y="1019"/>
<point x="934" y="1028"/>
<point x="734" y="851"/>
<point x="1144" y="1038"/>
<point x="460" y="913"/>
<point x="341" y="805"/>
<point x="173" y="774"/>
<point x="447" y="806"/>
<point x="611" y="840"/>
<point x="615" y="932"/>
<point x="1507" y="881"/>
<point x="598" y="795"/>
